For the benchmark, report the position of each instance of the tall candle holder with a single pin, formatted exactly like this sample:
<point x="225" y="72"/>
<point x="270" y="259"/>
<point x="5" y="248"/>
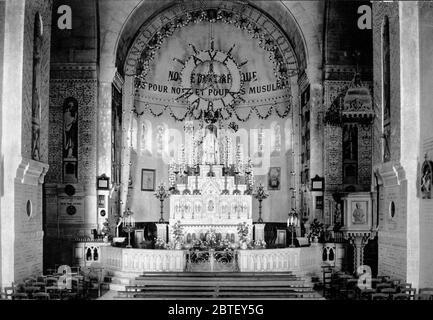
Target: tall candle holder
<point x="161" y="194"/>
<point x="196" y="174"/>
<point x="292" y="223"/>
<point x="237" y="191"/>
<point x="186" y="191"/>
<point x="128" y="225"/>
<point x="226" y="173"/>
<point x="176" y="172"/>
<point x="260" y="195"/>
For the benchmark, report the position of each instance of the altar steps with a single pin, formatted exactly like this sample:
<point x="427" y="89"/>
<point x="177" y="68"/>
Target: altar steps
<point x="224" y="285"/>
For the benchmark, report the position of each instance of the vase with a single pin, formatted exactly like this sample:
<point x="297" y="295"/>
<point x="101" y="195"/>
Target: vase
<point x="105" y="239"/>
<point x="315" y="239"/>
<point x="178" y="246"/>
<point x="244" y="245"/>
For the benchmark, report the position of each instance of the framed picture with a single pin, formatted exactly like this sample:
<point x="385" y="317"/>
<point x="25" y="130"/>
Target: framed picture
<point x="147" y="180"/>
<point x="274" y="178"/>
<point x="281" y="237"/>
<point x="317" y="183"/>
<point x="102" y="182"/>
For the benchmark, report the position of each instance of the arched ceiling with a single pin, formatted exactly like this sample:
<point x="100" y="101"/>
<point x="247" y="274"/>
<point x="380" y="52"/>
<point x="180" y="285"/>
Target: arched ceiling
<point x="265" y="13"/>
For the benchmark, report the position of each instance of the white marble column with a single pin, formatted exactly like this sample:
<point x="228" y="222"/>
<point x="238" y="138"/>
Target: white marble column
<point x="127" y="105"/>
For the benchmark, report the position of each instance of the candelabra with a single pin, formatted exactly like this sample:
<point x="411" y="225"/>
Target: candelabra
<point x="292" y="223"/>
<point x="260" y="195"/>
<point x="161" y="194"/>
<point x="128" y="225"/>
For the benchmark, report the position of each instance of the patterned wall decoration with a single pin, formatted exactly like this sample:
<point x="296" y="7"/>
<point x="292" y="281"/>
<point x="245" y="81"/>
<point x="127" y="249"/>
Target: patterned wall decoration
<point x="333" y="155"/>
<point x="85" y="92"/>
<point x="365" y="149"/>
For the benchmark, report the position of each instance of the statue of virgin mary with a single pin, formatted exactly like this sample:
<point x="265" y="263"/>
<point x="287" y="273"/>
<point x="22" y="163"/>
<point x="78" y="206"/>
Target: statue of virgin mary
<point x="210" y="145"/>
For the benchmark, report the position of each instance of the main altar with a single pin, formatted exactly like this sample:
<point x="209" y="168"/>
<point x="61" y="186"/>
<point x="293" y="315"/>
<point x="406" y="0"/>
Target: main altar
<point x="210" y="201"/>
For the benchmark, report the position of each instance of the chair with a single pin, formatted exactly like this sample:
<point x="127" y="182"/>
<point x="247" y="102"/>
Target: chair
<point x="423" y="296"/>
<point x="19" y="296"/>
<point x="426" y="290"/>
<point x="404" y="286"/>
<point x="381" y="286"/>
<point x="31" y="290"/>
<point x="41" y="285"/>
<point x="41" y="296"/>
<point x="409" y="291"/>
<point x="379" y="296"/>
<point x="29" y="281"/>
<point x="388" y="290"/>
<point x="51" y="281"/>
<point x="365" y="294"/>
<point x="7" y="292"/>
<point x="69" y="296"/>
<point x="400" y="296"/>
<point x="54" y="292"/>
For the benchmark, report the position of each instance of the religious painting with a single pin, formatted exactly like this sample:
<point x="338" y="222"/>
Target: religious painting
<point x="359" y="212"/>
<point x="70" y="129"/>
<point x="147" y="180"/>
<point x="426" y="179"/>
<point x="274" y="178"/>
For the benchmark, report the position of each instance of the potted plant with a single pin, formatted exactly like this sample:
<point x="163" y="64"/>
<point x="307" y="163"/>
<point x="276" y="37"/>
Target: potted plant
<point x="316" y="229"/>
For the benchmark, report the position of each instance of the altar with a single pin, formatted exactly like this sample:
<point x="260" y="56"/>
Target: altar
<point x="210" y="201"/>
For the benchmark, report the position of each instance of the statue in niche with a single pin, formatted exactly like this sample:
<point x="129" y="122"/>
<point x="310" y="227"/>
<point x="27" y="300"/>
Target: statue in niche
<point x="210" y="145"/>
<point x="70" y="126"/>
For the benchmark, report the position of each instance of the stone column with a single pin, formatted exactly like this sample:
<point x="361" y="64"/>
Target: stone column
<point x="316" y="141"/>
<point x="410" y="130"/>
<point x="104" y="129"/>
<point x="11" y="126"/>
<point x="127" y="105"/>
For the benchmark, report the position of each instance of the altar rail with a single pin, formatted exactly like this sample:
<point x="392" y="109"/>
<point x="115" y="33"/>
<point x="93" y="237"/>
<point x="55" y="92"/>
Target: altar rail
<point x="301" y="260"/>
<point x="142" y="260"/>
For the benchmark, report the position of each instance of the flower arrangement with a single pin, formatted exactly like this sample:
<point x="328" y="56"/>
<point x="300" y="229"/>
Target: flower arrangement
<point x="177" y="234"/>
<point x="316" y="228"/>
<point x="243" y="233"/>
<point x="160" y="244"/>
<point x="259" y="244"/>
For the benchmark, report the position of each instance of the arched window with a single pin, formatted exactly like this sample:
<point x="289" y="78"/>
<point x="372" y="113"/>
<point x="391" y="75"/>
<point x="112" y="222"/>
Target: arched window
<point x="386" y="90"/>
<point x="36" y="82"/>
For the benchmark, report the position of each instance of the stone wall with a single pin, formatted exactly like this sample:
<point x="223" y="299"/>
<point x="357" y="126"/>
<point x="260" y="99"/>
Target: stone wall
<point x="73" y="75"/>
<point x="21" y="205"/>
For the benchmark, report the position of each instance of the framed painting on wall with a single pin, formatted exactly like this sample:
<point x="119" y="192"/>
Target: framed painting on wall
<point x="274" y="178"/>
<point x="147" y="179"/>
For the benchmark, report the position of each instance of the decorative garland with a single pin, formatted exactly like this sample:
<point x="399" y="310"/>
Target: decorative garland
<point x="281" y="71"/>
<point x="189" y="113"/>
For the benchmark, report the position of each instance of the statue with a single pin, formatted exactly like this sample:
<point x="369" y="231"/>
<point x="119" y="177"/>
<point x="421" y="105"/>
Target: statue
<point x="210" y="145"/>
<point x="358" y="215"/>
<point x="70" y="117"/>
